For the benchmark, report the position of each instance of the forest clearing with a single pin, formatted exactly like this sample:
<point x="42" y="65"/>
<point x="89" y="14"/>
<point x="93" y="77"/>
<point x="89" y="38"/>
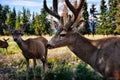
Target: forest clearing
<point x="12" y="63"/>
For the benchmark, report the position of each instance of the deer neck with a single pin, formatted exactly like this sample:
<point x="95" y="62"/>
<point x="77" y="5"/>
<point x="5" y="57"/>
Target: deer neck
<point x="83" y="48"/>
<point x="22" y="44"/>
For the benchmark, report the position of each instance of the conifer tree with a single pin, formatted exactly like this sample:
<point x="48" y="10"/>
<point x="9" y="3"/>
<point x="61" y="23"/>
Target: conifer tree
<point x="85" y="15"/>
<point x="13" y="18"/>
<point x="103" y="21"/>
<point x="1" y="9"/>
<point x="5" y="12"/>
<point x="18" y="21"/>
<point x="37" y="25"/>
<point x="44" y="23"/>
<point x="31" y="29"/>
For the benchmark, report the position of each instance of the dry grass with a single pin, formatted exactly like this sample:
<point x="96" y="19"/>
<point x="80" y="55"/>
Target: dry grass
<point x="13" y="48"/>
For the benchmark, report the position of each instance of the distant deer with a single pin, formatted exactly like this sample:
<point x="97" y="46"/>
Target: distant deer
<point x="4" y="44"/>
<point x="103" y="55"/>
<point x="32" y="48"/>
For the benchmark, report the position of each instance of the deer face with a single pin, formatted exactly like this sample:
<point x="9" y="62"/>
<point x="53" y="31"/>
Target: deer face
<point x="60" y="39"/>
<point x="65" y="37"/>
<point x="66" y="29"/>
<point x="16" y="35"/>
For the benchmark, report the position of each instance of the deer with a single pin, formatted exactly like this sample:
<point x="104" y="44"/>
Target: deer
<point x="32" y="48"/>
<point x="102" y="55"/>
<point x="4" y="44"/>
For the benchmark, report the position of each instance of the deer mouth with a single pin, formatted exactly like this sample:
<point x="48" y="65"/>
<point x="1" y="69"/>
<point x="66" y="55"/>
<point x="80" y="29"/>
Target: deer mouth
<point x="49" y="46"/>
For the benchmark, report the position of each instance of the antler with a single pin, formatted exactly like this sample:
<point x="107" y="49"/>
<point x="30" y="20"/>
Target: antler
<point x="25" y="25"/>
<point x="75" y="12"/>
<point x="55" y="9"/>
<point x="71" y="20"/>
<point x="4" y="26"/>
<point x="23" y="28"/>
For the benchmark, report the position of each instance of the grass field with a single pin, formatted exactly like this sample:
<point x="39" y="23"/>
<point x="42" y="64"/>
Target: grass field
<point x="13" y="61"/>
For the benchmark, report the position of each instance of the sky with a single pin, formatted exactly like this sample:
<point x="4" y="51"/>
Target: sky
<point x="36" y="5"/>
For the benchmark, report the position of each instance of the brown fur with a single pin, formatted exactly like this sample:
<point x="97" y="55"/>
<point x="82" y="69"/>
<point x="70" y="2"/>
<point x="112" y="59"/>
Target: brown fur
<point x="4" y="44"/>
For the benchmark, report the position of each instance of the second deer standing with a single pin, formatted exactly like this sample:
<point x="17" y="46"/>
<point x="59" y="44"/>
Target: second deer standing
<point x="32" y="48"/>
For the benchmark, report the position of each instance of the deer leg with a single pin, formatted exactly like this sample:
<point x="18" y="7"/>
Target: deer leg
<point x="34" y="66"/>
<point x="44" y="62"/>
<point x="27" y="65"/>
<point x="3" y="51"/>
<point x="6" y="51"/>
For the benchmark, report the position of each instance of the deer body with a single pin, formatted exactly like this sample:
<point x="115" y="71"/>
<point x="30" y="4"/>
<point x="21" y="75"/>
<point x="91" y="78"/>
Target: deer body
<point x="32" y="48"/>
<point x="103" y="54"/>
<point x="4" y="44"/>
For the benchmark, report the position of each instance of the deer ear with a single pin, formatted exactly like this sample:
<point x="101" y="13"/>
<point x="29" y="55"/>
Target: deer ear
<point x="5" y="39"/>
<point x="80" y="26"/>
<point x="23" y="28"/>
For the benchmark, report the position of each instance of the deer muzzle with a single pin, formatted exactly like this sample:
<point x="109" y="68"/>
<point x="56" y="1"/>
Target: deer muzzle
<point x="49" y="46"/>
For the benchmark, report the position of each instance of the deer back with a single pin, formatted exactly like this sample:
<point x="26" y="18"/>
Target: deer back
<point x="35" y="47"/>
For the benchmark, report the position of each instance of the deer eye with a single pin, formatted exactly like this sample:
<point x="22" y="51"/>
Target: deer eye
<point x="62" y="35"/>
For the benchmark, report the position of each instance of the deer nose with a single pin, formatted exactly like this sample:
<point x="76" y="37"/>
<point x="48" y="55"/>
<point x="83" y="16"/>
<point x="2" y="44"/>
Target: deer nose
<point x="15" y="39"/>
<point x="49" y="46"/>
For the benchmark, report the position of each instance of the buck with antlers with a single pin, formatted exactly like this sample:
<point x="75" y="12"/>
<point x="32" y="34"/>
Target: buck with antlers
<point x="32" y="48"/>
<point x="103" y="55"/>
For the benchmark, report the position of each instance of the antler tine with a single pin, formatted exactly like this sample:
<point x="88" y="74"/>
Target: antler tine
<point x="75" y="11"/>
<point x="4" y="26"/>
<point x="55" y="9"/>
<point x="55" y="6"/>
<point x="25" y="25"/>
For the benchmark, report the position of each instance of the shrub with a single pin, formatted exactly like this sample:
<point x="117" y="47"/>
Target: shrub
<point x="84" y="73"/>
<point x="22" y="74"/>
<point x="7" y="72"/>
<point x="60" y="73"/>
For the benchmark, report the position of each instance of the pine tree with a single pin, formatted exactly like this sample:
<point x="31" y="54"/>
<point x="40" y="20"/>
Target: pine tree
<point x="103" y="21"/>
<point x="112" y="12"/>
<point x="44" y="23"/>
<point x="117" y="17"/>
<point x="25" y="18"/>
<point x="85" y="15"/>
<point x="37" y="29"/>
<point x="31" y="29"/>
<point x="92" y="20"/>
<point x="25" y="15"/>
<point x="5" y="12"/>
<point x="9" y="19"/>
<point x="1" y="21"/>
<point x="1" y="9"/>
<point x="13" y="18"/>
<point x="18" y="21"/>
<point x="3" y="16"/>
<point x="103" y="7"/>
